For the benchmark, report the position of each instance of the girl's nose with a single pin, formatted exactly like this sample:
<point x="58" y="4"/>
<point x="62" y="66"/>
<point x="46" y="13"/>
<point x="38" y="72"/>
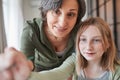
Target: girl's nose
<point x="88" y="45"/>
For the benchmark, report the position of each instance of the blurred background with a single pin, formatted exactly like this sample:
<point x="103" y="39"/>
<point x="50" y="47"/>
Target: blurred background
<point x="13" y="14"/>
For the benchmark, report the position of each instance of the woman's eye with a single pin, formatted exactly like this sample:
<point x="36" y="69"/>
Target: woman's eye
<point x="56" y="12"/>
<point x="71" y="14"/>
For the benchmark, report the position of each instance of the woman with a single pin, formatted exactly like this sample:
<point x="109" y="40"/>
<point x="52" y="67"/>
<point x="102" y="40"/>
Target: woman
<point x="49" y="40"/>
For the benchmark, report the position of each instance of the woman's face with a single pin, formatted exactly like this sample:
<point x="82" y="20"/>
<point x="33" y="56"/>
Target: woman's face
<point x="90" y="45"/>
<point x="61" y="22"/>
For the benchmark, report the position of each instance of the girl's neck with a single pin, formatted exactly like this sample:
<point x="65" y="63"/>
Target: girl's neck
<point x="93" y="70"/>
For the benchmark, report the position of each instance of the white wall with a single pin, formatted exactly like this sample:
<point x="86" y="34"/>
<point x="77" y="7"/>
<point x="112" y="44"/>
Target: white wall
<point x="2" y="30"/>
<point x="30" y="9"/>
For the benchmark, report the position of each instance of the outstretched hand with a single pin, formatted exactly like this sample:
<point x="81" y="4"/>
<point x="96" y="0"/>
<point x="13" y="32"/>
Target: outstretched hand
<point x="14" y="65"/>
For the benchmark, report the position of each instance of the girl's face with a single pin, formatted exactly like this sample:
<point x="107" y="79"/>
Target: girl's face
<point x="90" y="44"/>
<point x="61" y="22"/>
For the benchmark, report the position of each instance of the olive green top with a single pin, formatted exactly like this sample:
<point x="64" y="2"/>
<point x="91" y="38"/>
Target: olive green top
<point x="36" y="46"/>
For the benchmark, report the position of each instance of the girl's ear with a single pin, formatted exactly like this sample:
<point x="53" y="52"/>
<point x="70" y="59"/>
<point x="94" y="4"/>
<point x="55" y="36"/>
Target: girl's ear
<point x="107" y="46"/>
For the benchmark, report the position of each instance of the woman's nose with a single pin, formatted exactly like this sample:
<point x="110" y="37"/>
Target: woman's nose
<point x="63" y="21"/>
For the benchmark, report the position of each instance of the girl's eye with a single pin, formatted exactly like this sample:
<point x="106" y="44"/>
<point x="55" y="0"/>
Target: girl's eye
<point x="97" y="40"/>
<point x="82" y="40"/>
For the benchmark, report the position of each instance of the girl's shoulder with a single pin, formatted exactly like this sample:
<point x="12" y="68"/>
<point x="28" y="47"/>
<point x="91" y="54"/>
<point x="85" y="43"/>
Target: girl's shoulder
<point x="116" y="74"/>
<point x="117" y="67"/>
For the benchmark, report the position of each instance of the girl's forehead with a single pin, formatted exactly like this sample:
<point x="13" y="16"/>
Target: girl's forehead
<point x="91" y="31"/>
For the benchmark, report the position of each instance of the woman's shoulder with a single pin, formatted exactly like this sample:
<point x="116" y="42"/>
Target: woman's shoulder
<point x="32" y="25"/>
<point x="34" y="22"/>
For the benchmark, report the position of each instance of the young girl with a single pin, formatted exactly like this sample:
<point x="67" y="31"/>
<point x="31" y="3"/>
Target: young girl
<point x="96" y="52"/>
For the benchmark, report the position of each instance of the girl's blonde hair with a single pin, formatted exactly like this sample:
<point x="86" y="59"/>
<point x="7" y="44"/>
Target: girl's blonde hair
<point x="109" y="57"/>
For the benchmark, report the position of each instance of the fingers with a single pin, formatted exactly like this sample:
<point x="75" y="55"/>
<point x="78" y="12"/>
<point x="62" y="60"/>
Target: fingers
<point x="22" y="67"/>
<point x="30" y="64"/>
<point x="5" y="61"/>
<point x="14" y="65"/>
<point x="13" y="52"/>
<point x="7" y="58"/>
<point x="10" y="50"/>
<point x="6" y="75"/>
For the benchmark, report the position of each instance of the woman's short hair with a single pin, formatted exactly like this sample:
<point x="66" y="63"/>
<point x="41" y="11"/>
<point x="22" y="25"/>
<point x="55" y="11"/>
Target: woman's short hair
<point x="46" y="5"/>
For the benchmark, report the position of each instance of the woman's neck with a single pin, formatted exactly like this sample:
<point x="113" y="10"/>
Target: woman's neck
<point x="58" y="43"/>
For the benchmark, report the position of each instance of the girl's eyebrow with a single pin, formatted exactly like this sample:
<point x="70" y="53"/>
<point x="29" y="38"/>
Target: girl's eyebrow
<point x="98" y="36"/>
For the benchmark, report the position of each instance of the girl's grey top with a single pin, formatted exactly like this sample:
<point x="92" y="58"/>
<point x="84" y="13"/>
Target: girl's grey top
<point x="104" y="76"/>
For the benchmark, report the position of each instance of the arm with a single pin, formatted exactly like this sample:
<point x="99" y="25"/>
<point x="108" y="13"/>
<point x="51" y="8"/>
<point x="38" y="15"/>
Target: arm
<point x="14" y="65"/>
<point x="59" y="73"/>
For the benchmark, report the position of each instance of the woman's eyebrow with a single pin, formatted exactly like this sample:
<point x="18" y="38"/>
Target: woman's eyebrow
<point x="73" y="10"/>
